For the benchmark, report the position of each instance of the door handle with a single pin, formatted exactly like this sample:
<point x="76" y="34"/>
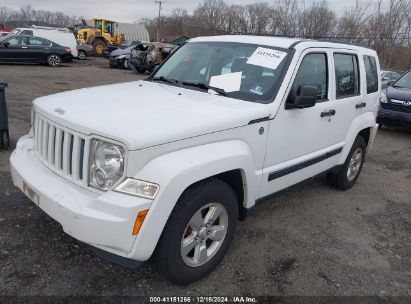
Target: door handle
<point x="24" y="47"/>
<point x="328" y="113"/>
<point x="360" y="105"/>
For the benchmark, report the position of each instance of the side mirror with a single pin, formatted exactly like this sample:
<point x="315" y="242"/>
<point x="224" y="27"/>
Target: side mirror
<point x="306" y="98"/>
<point x="390" y="82"/>
<point x="6" y="44"/>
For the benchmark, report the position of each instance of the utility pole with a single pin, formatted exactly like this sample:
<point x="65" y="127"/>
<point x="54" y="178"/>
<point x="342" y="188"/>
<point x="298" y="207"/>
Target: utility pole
<point x="159" y="17"/>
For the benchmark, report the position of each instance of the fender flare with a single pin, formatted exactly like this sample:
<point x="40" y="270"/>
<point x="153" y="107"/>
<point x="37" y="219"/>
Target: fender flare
<point x="178" y="170"/>
<point x="361" y="122"/>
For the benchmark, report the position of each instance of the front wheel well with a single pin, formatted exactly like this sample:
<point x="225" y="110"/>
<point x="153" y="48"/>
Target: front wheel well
<point x="234" y="178"/>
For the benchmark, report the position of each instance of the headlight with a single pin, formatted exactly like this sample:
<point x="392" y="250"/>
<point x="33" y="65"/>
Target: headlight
<point x="106" y="164"/>
<point x="138" y="188"/>
<point x="383" y="98"/>
<point x="121" y="57"/>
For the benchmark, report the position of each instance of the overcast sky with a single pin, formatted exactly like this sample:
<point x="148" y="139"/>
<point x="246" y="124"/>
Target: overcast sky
<point x="133" y="10"/>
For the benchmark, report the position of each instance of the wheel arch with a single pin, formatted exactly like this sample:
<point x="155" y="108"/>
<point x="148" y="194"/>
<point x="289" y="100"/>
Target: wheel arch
<point x="233" y="164"/>
<point x="363" y="125"/>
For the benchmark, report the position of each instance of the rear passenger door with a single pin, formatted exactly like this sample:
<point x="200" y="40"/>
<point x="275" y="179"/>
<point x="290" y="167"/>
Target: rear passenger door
<point x="38" y="48"/>
<point x="347" y="101"/>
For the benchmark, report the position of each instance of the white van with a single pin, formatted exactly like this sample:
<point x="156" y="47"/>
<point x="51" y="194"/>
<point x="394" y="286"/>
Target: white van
<point x="170" y="165"/>
<point x="61" y="36"/>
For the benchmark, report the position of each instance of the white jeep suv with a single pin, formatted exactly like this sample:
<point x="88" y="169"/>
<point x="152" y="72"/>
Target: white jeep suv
<point x="168" y="165"/>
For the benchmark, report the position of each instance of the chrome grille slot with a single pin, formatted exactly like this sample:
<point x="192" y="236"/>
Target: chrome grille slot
<point x="62" y="150"/>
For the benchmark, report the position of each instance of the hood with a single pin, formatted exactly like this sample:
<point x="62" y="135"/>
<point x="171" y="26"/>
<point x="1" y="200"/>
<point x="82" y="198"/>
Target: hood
<point x="119" y="51"/>
<point x="142" y="114"/>
<point x="398" y="93"/>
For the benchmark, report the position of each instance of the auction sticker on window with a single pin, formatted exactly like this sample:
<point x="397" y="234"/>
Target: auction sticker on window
<point x="266" y="58"/>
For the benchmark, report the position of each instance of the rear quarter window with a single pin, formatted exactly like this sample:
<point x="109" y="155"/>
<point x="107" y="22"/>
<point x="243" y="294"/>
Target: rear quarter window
<point x="371" y="74"/>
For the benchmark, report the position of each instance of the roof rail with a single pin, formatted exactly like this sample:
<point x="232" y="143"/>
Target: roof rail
<point x="61" y="29"/>
<point x="336" y="40"/>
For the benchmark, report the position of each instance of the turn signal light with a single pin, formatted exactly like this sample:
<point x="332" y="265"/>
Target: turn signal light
<point x="139" y="221"/>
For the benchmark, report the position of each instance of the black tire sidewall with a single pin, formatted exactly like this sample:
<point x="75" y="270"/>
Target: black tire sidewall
<point x="168" y="258"/>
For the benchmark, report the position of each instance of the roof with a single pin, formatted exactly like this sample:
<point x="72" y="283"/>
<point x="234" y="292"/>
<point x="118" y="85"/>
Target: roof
<point x="282" y="42"/>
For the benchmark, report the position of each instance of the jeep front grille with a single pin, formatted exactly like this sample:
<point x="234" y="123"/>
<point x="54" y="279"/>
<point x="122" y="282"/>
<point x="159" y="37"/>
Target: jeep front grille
<point x="62" y="150"/>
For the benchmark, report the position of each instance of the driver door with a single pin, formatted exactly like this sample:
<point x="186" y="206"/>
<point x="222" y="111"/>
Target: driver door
<point x="298" y="139"/>
<point x="12" y="49"/>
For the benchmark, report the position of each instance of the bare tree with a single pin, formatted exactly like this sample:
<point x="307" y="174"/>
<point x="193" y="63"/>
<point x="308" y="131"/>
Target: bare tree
<point x="317" y="21"/>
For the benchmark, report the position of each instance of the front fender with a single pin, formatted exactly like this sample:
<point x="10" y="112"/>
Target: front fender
<point x="176" y="171"/>
<point x="361" y="122"/>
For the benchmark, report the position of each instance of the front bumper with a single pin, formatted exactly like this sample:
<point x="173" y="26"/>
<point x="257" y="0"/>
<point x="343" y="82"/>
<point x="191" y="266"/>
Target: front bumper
<point x="394" y="118"/>
<point x="67" y="58"/>
<point x="103" y="220"/>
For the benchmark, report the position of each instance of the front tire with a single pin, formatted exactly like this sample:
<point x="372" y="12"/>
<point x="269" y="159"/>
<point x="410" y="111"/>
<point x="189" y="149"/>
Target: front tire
<point x="99" y="47"/>
<point x="198" y="232"/>
<point x="82" y="55"/>
<point x="348" y="174"/>
<point x="53" y="60"/>
<point x="126" y="64"/>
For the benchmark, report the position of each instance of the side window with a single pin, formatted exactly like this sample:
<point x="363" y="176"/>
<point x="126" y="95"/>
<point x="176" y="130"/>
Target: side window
<point x="107" y="27"/>
<point x="313" y="71"/>
<point x="371" y="74"/>
<point x="346" y="75"/>
<point x="15" y="41"/>
<point x="387" y="76"/>
<point x="395" y="76"/>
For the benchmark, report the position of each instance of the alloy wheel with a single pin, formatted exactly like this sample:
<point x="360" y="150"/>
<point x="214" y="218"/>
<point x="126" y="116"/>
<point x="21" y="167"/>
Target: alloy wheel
<point x="354" y="164"/>
<point x="204" y="234"/>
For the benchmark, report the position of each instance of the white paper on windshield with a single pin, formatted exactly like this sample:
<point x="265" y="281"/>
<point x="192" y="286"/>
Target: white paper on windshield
<point x="230" y="82"/>
<point x="266" y="58"/>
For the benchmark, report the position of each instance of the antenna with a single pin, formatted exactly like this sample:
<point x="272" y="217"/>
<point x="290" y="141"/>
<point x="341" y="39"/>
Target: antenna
<point x="159" y="16"/>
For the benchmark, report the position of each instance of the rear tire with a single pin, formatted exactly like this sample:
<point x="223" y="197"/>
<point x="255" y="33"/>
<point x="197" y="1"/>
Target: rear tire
<point x="53" y="60"/>
<point x="348" y="174"/>
<point x="198" y="232"/>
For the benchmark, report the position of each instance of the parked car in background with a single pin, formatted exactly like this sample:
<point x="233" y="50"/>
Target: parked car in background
<point x="84" y="50"/>
<point x="395" y="104"/>
<point x="165" y="167"/>
<point x="125" y="44"/>
<point x="147" y="57"/>
<point x="34" y="50"/>
<point x="2" y="34"/>
<point x="120" y="58"/>
<point x="388" y="77"/>
<point x="62" y="36"/>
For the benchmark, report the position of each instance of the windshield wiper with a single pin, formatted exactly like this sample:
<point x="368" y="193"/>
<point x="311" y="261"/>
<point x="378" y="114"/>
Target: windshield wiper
<point x="205" y="87"/>
<point x="165" y="79"/>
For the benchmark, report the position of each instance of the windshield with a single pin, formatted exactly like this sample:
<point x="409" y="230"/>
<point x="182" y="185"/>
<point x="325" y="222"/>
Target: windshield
<point x="244" y="71"/>
<point x="404" y="81"/>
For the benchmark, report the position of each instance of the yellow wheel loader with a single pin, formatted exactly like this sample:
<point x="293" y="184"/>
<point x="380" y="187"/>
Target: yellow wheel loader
<point x="100" y="35"/>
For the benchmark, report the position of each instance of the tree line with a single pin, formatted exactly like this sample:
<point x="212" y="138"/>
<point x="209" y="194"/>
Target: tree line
<point x="382" y="25"/>
<point x="27" y="16"/>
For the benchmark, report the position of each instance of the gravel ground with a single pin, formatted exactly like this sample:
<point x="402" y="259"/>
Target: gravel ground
<point x="311" y="240"/>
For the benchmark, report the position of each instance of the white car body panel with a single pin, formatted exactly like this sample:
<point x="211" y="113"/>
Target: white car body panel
<point x="175" y="137"/>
